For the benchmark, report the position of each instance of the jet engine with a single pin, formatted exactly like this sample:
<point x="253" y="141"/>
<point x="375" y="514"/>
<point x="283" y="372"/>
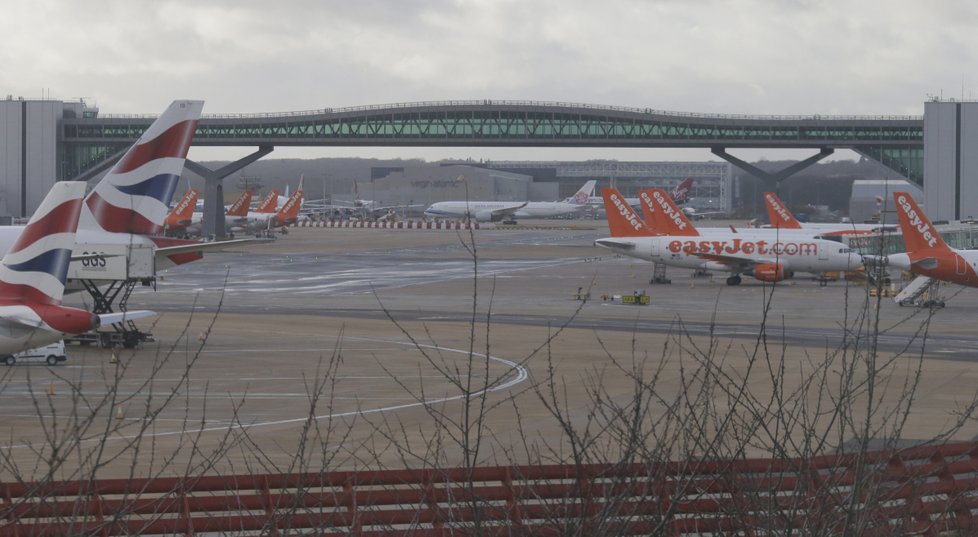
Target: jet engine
<point x="771" y="272"/>
<point x="67" y="319"/>
<point x="487" y="216"/>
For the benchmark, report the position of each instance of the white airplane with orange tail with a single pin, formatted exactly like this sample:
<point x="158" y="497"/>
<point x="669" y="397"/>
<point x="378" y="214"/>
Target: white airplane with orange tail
<point x="183" y="219"/>
<point x="258" y="221"/>
<point x="765" y="256"/>
<point x="927" y="254"/>
<point x="781" y="218"/>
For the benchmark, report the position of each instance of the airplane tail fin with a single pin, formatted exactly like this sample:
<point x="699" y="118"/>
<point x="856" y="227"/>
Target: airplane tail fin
<point x="681" y="192"/>
<point x="663" y="215"/>
<point x="622" y="220"/>
<point x="269" y="204"/>
<point x="290" y="210"/>
<point x="919" y="234"/>
<point x="581" y="196"/>
<point x="35" y="268"/>
<point x="183" y="211"/>
<point x="778" y="214"/>
<point x="135" y="194"/>
<point x="240" y="206"/>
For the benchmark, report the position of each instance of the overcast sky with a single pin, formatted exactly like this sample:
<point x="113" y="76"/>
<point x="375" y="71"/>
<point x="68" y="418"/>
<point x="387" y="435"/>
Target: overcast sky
<point x="870" y="57"/>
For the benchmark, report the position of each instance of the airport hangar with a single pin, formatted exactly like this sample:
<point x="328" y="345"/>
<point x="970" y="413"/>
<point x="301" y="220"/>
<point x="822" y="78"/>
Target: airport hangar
<point x="45" y="140"/>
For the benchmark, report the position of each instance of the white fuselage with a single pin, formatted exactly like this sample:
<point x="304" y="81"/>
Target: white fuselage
<point x="732" y="252"/>
<point x="532" y="209"/>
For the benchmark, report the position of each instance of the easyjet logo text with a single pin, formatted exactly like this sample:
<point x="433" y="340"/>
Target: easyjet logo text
<point x="626" y="212"/>
<point x="740" y="246"/>
<point x="238" y="203"/>
<point x="184" y="203"/>
<point x="669" y="211"/>
<point x="918" y="223"/>
<point x="291" y="203"/>
<point x="777" y="208"/>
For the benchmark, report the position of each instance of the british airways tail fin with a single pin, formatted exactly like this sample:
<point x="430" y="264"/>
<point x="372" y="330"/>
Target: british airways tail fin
<point x="35" y="268"/>
<point x="135" y="194"/>
<point x="622" y="220"/>
<point x="663" y="216"/>
<point x="919" y="234"/>
<point x="778" y="214"/>
<point x="240" y="206"/>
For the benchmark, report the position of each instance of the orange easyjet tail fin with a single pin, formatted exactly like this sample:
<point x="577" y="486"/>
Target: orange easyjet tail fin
<point x="289" y="212"/>
<point x="919" y="234"/>
<point x="778" y="214"/>
<point x="269" y="204"/>
<point x="183" y="211"/>
<point x="663" y="216"/>
<point x="240" y="206"/>
<point x="622" y="220"/>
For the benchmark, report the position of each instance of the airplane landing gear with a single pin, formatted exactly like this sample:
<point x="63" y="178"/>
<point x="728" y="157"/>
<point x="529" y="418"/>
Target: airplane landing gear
<point x="733" y="280"/>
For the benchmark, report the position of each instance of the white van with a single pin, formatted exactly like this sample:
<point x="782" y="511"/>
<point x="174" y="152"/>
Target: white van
<point x="50" y="354"/>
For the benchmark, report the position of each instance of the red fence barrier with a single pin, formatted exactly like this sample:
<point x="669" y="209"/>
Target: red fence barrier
<point x="405" y="224"/>
<point x="919" y="491"/>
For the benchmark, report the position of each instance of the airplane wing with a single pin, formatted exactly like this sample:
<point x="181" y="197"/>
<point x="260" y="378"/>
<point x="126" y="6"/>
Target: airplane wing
<point x="736" y="261"/>
<point x="106" y="319"/>
<point x="178" y="254"/>
<point x="499" y="214"/>
<point x="927" y="263"/>
<point x="388" y="208"/>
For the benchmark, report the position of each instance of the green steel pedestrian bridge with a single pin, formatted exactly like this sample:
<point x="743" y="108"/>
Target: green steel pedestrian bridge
<point x="895" y="141"/>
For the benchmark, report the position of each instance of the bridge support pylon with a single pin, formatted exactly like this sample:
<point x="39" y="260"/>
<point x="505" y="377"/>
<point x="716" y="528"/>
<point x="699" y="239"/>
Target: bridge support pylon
<point x="772" y="181"/>
<point x="213" y="222"/>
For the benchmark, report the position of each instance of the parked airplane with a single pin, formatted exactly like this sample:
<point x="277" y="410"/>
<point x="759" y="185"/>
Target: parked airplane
<point x="183" y="219"/>
<point x="679" y="194"/>
<point x="33" y="273"/>
<point x="126" y="210"/>
<point x="781" y="218"/>
<point x="765" y="256"/>
<point x="259" y="221"/>
<point x="496" y="211"/>
<point x="927" y="254"/>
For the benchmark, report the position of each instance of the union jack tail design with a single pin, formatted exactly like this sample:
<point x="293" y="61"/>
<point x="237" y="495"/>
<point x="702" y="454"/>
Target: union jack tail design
<point x="34" y="269"/>
<point x="134" y="196"/>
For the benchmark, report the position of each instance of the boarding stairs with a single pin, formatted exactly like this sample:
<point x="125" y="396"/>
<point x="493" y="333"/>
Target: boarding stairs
<point x="659" y="274"/>
<point x="919" y="292"/>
